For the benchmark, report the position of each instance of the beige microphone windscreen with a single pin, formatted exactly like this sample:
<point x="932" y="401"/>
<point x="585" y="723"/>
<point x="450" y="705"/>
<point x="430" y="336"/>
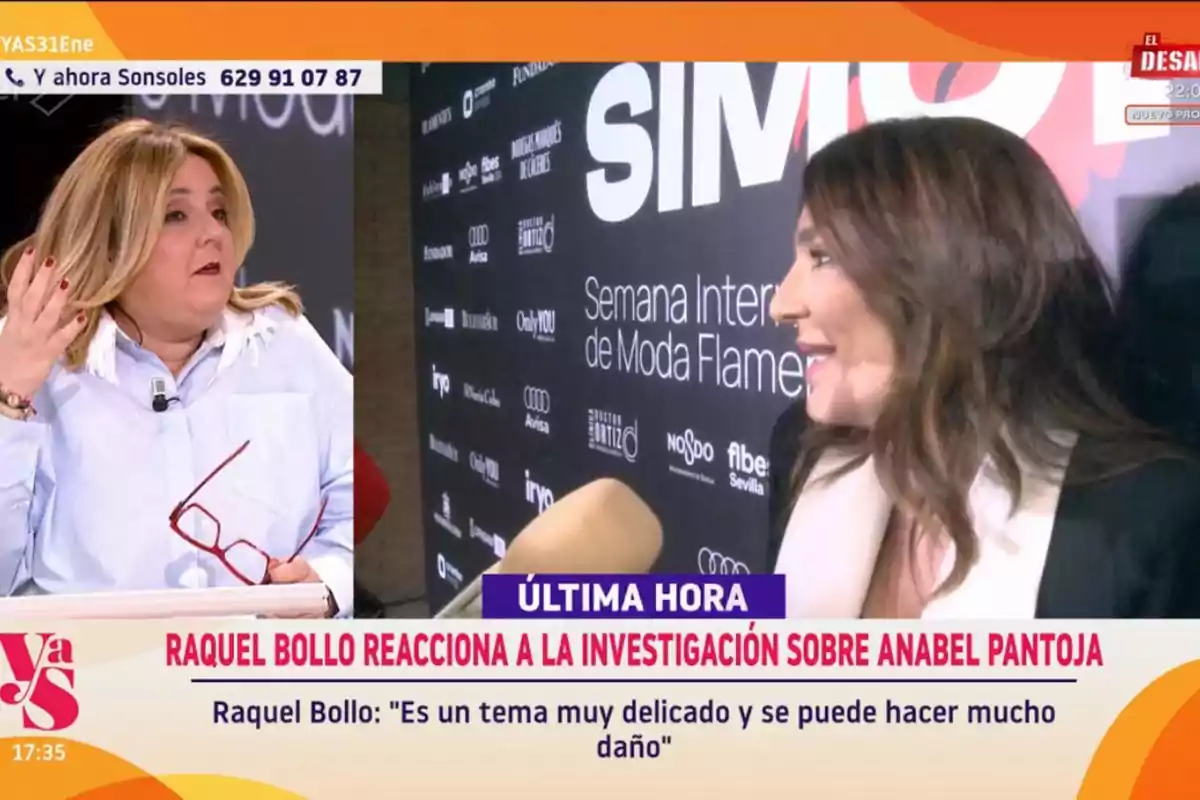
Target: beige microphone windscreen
<point x="602" y="527"/>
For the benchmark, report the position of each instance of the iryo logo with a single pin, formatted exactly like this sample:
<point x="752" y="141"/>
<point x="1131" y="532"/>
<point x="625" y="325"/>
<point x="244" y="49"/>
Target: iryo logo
<point x="43" y="680"/>
<point x="536" y="494"/>
<point x="441" y="382"/>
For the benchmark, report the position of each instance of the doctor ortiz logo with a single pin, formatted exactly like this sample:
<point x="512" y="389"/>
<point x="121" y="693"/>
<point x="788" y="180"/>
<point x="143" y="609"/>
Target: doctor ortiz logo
<point x="37" y="675"/>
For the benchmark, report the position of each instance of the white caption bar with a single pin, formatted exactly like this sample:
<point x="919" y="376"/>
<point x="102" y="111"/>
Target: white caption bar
<point x="191" y="77"/>
<point x="1176" y="114"/>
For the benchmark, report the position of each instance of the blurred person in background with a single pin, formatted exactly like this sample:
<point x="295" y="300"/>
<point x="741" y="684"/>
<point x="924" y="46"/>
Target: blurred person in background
<point x="962" y="452"/>
<point x="161" y="426"/>
<point x="372" y="496"/>
<point x="1159" y="310"/>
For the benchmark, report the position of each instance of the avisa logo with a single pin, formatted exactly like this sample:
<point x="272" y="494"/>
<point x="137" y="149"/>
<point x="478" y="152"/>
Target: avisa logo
<point x="710" y="562"/>
<point x="538" y="323"/>
<point x="692" y="450"/>
<point x="537" y="400"/>
<point x="537" y="407"/>
<point x="478" y="238"/>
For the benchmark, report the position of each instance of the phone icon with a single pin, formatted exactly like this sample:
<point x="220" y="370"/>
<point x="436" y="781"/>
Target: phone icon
<point x="12" y="78"/>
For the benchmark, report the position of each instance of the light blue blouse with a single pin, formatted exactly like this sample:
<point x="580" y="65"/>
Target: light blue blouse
<point x="88" y="485"/>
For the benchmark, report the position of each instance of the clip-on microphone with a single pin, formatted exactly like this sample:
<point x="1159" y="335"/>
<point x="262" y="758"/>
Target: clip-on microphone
<point x="158" y="395"/>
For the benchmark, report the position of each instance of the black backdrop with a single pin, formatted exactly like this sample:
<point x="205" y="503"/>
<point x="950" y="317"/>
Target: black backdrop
<point x="41" y="136"/>
<point x="568" y="330"/>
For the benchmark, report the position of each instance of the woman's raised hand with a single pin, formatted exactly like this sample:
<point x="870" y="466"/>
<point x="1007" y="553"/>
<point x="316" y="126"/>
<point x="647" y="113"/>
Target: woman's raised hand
<point x="35" y="334"/>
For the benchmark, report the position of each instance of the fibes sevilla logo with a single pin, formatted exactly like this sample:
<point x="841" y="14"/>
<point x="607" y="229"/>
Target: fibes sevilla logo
<point x="39" y="680"/>
<point x="1064" y="134"/>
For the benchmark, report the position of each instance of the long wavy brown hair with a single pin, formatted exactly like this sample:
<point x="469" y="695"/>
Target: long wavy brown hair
<point x="963" y="243"/>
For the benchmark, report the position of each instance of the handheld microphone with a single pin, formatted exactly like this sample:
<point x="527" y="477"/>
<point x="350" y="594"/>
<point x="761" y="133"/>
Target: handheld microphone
<point x="600" y="528"/>
<point x="158" y="395"/>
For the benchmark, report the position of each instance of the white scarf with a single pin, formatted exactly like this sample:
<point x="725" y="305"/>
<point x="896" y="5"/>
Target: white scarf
<point x="836" y="528"/>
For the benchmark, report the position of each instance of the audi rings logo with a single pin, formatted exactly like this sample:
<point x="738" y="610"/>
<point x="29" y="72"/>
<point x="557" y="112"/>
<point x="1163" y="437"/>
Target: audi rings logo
<point x="713" y="563"/>
<point x="537" y="400"/>
<point x="478" y="236"/>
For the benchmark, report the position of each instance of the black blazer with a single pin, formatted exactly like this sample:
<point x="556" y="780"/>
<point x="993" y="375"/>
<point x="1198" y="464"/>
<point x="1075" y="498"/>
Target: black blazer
<point x="1125" y="547"/>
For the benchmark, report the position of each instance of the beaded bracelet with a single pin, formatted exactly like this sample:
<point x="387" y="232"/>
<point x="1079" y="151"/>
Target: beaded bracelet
<point x="14" y="406"/>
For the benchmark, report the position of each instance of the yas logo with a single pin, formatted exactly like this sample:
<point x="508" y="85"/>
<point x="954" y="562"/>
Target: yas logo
<point x="42" y="680"/>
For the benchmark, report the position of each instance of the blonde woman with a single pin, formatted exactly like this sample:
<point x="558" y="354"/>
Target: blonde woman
<point x="162" y="427"/>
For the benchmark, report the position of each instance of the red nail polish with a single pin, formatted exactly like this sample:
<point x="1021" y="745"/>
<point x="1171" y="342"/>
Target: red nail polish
<point x="64" y="284"/>
<point x="28" y="251"/>
<point x="49" y="262"/>
<point x="81" y="318"/>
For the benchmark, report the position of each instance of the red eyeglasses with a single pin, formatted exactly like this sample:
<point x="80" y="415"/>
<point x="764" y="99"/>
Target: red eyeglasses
<point x="243" y="558"/>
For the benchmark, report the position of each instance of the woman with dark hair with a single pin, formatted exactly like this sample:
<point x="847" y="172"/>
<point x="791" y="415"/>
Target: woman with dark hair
<point x="964" y="453"/>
